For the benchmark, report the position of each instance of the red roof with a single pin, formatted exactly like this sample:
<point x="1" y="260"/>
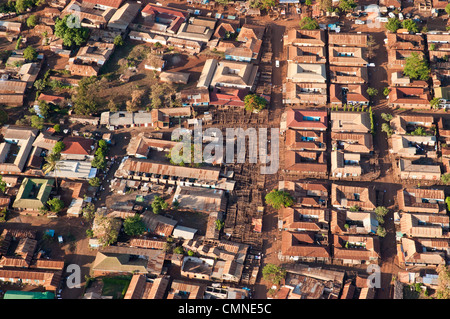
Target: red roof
<point x="77" y="146"/>
<point x="156" y="10"/>
<point x="50" y="98"/>
<point x="225" y="96"/>
<point x="304" y="119"/>
<point x="107" y="3"/>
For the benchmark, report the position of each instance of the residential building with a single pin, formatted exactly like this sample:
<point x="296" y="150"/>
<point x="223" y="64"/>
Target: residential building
<point x="419" y="200"/>
<point x="123" y="17"/>
<point x="77" y="148"/>
<point x="345" y="197"/>
<point x="306" y="194"/>
<point x="297" y="219"/>
<point x="33" y="194"/>
<point x="303" y="246"/>
<point x="305" y="93"/>
<point x="347" y="39"/>
<point x="306" y="73"/>
<point x="232" y="74"/>
<point x="127" y="260"/>
<point x="141" y="287"/>
<point x="306" y="54"/>
<point x="304" y="37"/>
<point x="345" y="165"/>
<point x="413" y="146"/>
<point x="16" y="148"/>
<point x="350" y="94"/>
<point x="425" y="225"/>
<point x="224" y="96"/>
<point x="300" y="119"/>
<point x="174" y="77"/>
<point x="306" y="162"/>
<point x="91" y="15"/>
<point x="352" y="142"/>
<point x="425" y="171"/>
<point x="159" y="225"/>
<point x="411" y="253"/>
<point x="406" y="97"/>
<point x="348" y="74"/>
<point x="404" y="124"/>
<point x="305" y="140"/>
<point x="348" y="222"/>
<point x="347" y="56"/>
<point x="95" y="53"/>
<point x="186" y="290"/>
<point x="200" y="199"/>
<point x="352" y="249"/>
<point x="357" y="122"/>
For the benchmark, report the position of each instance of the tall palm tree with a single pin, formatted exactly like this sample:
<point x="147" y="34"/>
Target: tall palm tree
<point x="52" y="164"/>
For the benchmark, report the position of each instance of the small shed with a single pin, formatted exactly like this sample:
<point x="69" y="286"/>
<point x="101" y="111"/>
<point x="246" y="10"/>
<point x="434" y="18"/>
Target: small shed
<point x="184" y="232"/>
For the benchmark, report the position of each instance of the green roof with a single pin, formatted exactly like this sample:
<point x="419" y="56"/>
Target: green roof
<point x="17" y="294"/>
<point x="33" y="193"/>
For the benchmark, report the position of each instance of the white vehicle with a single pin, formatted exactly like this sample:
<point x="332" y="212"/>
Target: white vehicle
<point x="359" y="22"/>
<point x="391" y="15"/>
<point x="400" y="16"/>
<point x="277" y="63"/>
<point x="298" y="10"/>
<point x="60" y="239"/>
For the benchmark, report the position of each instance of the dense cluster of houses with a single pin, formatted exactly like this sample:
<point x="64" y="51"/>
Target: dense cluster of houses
<point x="423" y="225"/>
<point x="329" y="225"/>
<point x="307" y="76"/>
<point x="308" y="132"/>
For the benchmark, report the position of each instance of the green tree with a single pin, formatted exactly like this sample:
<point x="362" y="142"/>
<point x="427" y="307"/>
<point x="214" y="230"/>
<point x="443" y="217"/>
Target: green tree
<point x="37" y="122"/>
<point x="179" y="250"/>
<point x="44" y="108"/>
<point x="372" y="92"/>
<point x="32" y="21"/>
<point x="386" y="91"/>
<point x="59" y="147"/>
<point x="447" y="9"/>
<point x="386" y="128"/>
<point x="85" y="99"/>
<point x="99" y="162"/>
<point x="267" y="4"/>
<point x="308" y="2"/>
<point x="278" y="199"/>
<point x="308" y="23"/>
<point x="2" y="184"/>
<point x="57" y="128"/>
<point x="95" y="182"/>
<point x="354" y="208"/>
<point x="118" y="41"/>
<point x="347" y="5"/>
<point x="30" y="54"/>
<point x="219" y="224"/>
<point x="381" y="231"/>
<point x="416" y="67"/>
<point x="447" y="201"/>
<point x="254" y="102"/>
<point x="381" y="211"/>
<point x="410" y="25"/>
<point x="434" y="103"/>
<point x="445" y="178"/>
<point x="134" y="226"/>
<point x="71" y="36"/>
<point x="159" y="204"/>
<point x="386" y="116"/>
<point x="55" y="204"/>
<point x="273" y="273"/>
<point x="88" y="212"/>
<point x="393" y="25"/>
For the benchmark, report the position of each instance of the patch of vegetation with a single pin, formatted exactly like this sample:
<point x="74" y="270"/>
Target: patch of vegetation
<point x="115" y="286"/>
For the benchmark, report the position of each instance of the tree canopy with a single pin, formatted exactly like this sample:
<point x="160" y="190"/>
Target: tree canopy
<point x="30" y="53"/>
<point x="410" y="25"/>
<point x="416" y="67"/>
<point x="393" y="24"/>
<point x="159" y="204"/>
<point x="278" y="199"/>
<point x="308" y="23"/>
<point x="273" y="273"/>
<point x="71" y="36"/>
<point x="254" y="102"/>
<point x="134" y="226"/>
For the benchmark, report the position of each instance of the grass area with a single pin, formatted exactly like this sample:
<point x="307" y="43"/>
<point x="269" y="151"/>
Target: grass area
<point x="115" y="286"/>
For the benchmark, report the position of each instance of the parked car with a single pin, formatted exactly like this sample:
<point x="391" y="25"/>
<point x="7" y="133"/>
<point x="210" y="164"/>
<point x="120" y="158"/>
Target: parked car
<point x="359" y="22"/>
<point x="400" y="16"/>
<point x="277" y="63"/>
